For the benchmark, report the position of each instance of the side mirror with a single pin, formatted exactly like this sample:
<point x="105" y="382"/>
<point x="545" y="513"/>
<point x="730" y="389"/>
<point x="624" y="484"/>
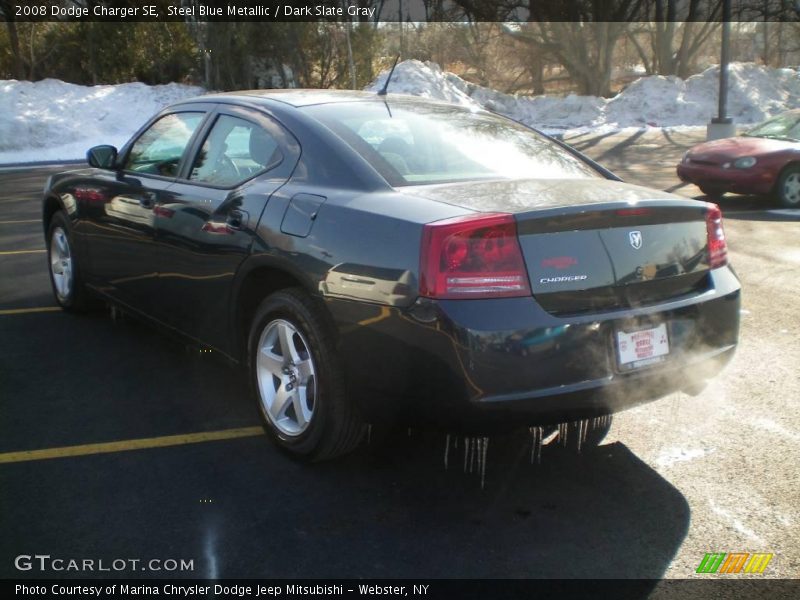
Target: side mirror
<point x="102" y="157"/>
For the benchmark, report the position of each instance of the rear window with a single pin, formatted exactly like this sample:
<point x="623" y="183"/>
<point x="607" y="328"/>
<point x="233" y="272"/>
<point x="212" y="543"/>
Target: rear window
<point x="416" y="144"/>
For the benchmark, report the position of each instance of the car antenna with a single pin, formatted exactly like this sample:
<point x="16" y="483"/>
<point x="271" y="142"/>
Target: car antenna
<point x="385" y="87"/>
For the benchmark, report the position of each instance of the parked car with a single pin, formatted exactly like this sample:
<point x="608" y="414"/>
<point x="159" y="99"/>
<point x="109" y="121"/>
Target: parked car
<point x="765" y="160"/>
<point x="392" y="259"/>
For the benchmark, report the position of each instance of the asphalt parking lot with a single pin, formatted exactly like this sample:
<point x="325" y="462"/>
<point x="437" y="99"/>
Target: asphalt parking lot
<point x="118" y="442"/>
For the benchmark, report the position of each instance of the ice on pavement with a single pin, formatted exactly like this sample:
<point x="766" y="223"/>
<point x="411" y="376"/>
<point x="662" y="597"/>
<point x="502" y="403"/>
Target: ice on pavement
<point x="51" y="120"/>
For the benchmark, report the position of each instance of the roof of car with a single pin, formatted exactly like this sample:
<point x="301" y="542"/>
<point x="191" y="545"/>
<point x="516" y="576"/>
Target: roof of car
<point x="308" y="97"/>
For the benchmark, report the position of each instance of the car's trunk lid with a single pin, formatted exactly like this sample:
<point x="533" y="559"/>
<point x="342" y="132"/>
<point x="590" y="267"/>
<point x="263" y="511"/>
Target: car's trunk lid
<point x="615" y="257"/>
<point x="594" y="245"/>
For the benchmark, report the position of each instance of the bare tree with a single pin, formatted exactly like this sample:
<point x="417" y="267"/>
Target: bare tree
<point x="674" y="33"/>
<point x="581" y="35"/>
<point x="7" y="11"/>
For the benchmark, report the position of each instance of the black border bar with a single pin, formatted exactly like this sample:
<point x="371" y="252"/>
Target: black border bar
<point x="436" y="589"/>
<point x="389" y="11"/>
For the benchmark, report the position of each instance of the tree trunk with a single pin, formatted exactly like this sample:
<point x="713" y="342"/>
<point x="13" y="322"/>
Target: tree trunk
<point x="537" y="75"/>
<point x="16" y="59"/>
<point x="684" y="56"/>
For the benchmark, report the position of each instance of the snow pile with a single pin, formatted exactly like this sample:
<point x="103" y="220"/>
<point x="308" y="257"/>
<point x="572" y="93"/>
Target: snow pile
<point x="53" y="120"/>
<point x="755" y="93"/>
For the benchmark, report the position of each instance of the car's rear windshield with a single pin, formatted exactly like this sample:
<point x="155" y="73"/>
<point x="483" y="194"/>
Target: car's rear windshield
<point x="413" y="143"/>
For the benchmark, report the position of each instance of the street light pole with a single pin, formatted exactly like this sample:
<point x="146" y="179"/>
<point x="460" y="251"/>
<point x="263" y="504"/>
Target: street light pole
<point x="722" y="125"/>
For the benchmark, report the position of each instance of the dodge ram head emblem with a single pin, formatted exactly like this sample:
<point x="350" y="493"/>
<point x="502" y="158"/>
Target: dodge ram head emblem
<point x="635" y="238"/>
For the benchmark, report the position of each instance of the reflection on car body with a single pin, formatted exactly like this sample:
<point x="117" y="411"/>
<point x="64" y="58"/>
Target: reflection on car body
<point x="371" y="284"/>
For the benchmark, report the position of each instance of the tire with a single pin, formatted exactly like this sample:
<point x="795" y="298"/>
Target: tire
<point x="297" y="380"/>
<point x="787" y="190"/>
<point x="712" y="193"/>
<point x="64" y="267"/>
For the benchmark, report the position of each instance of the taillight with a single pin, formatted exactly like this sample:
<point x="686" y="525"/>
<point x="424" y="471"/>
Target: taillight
<point x="717" y="248"/>
<point x="472" y="257"/>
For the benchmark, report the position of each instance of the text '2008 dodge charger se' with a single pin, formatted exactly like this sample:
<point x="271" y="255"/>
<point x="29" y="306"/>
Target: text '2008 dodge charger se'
<point x="388" y="259"/>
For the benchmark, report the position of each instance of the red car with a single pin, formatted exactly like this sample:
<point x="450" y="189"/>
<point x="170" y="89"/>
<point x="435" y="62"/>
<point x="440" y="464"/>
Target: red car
<point x="765" y="160"/>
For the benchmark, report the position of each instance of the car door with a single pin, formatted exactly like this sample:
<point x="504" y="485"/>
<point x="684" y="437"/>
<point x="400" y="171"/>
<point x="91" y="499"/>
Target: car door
<point x="121" y="225"/>
<point x="205" y="226"/>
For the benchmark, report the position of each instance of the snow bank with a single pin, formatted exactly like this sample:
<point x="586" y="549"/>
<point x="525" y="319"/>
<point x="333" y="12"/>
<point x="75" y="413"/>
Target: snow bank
<point x="755" y="93"/>
<point x="53" y="120"/>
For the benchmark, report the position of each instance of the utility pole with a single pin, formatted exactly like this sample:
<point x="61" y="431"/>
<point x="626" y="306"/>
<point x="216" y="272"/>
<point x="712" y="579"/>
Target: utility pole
<point x="722" y="125"/>
<point x="400" y="22"/>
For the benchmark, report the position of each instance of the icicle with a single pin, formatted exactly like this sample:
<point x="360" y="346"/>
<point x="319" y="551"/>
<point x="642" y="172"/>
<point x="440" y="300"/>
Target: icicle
<point x="446" y="450"/>
<point x="369" y="433"/>
<point x="473" y="442"/>
<point x="484" y="450"/>
<point x="539" y="445"/>
<point x="472" y="453"/>
<point x="409" y="432"/>
<point x="466" y="452"/>
<point x="562" y="433"/>
<point x="537" y="434"/>
<point x="532" y="431"/>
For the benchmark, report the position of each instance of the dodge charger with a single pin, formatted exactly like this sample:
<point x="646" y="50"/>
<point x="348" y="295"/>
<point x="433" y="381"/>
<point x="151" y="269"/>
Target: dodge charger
<point x="386" y="259"/>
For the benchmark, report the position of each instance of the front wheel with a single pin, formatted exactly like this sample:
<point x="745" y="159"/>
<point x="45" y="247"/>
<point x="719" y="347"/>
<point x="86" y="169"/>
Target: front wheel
<point x="712" y="193"/>
<point x="788" y="187"/>
<point x="297" y="379"/>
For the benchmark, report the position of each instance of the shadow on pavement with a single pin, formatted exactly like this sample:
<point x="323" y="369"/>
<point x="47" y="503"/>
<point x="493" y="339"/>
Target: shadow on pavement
<point x="620" y="147"/>
<point x="584" y="144"/>
<point x="240" y="508"/>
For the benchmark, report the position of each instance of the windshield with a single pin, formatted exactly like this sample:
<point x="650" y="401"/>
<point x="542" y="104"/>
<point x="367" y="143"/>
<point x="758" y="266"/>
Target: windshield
<point x="782" y="127"/>
<point x="414" y="144"/>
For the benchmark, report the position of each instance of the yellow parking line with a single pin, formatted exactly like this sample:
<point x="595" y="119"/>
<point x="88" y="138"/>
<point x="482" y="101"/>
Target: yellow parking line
<point x="21" y="251"/>
<point x="126" y="445"/>
<point x="25" y="311"/>
<point x="20" y="222"/>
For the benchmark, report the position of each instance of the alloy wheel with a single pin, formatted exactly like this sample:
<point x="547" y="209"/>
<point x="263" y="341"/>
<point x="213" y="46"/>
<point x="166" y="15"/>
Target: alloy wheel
<point x="791" y="189"/>
<point x="61" y="264"/>
<point x="286" y="377"/>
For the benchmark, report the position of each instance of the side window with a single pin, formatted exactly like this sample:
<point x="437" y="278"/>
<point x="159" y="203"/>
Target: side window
<point x="234" y="151"/>
<point x="159" y="149"/>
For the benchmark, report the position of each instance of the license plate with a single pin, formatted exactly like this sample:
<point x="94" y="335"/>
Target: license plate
<point x="643" y="347"/>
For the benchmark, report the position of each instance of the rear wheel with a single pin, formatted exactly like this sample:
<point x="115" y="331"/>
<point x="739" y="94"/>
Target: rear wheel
<point x="787" y="189"/>
<point x="65" y="275"/>
<point x="297" y="379"/>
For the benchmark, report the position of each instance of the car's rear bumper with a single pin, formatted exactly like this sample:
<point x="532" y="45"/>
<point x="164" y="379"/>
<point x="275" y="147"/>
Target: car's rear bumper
<point x="739" y="181"/>
<point x="476" y="364"/>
